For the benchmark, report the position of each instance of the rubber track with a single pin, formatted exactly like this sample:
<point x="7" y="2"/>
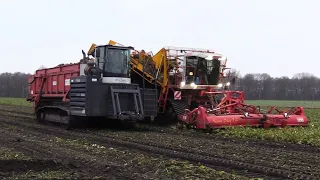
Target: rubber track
<point x="213" y="161"/>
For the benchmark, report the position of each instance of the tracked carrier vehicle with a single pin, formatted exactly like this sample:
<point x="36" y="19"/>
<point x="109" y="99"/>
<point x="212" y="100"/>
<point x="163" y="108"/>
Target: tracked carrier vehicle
<point x="94" y="87"/>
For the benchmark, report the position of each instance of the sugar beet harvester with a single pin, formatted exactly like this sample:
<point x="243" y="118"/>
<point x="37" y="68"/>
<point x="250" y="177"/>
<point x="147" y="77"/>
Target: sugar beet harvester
<point x="193" y="87"/>
<point x="96" y="87"/>
<point x="185" y="84"/>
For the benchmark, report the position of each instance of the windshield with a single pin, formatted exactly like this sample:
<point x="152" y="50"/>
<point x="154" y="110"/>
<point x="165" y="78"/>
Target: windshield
<point x="116" y="63"/>
<point x="191" y="67"/>
<point x="192" y="61"/>
<point x="213" y="67"/>
<point x="202" y="71"/>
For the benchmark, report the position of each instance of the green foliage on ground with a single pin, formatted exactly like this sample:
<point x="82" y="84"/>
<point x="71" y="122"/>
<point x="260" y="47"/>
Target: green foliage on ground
<point x="10" y="154"/>
<point x="300" y="135"/>
<point x="15" y="101"/>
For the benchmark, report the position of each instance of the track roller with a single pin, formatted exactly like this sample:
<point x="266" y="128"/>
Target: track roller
<point x="57" y="116"/>
<point x="40" y="116"/>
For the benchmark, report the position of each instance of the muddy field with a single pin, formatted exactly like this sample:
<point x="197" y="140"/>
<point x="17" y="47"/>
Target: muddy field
<point x="31" y="150"/>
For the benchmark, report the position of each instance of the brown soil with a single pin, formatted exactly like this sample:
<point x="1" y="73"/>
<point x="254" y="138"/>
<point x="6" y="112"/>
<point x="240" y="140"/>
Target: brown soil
<point x="146" y="153"/>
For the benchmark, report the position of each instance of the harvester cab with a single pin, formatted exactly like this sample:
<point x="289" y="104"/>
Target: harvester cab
<point x="202" y="70"/>
<point x="114" y="62"/>
<point x="111" y="63"/>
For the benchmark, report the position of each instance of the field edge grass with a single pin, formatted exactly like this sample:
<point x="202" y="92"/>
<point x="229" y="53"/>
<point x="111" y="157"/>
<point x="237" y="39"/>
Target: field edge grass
<point x="15" y="101"/>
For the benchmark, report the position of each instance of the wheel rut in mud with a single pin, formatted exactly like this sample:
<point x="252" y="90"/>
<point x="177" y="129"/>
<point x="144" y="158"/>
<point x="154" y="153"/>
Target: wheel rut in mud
<point x="251" y="158"/>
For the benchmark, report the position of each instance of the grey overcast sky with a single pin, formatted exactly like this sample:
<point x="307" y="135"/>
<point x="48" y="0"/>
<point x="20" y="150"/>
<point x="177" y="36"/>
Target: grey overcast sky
<point x="279" y="37"/>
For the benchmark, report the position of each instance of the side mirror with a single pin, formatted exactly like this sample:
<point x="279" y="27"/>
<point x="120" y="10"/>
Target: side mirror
<point x="83" y="54"/>
<point x="233" y="81"/>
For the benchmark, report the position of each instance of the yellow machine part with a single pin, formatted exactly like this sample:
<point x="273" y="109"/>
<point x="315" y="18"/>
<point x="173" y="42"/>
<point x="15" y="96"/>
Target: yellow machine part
<point x="91" y="49"/>
<point x="158" y="62"/>
<point x="93" y="46"/>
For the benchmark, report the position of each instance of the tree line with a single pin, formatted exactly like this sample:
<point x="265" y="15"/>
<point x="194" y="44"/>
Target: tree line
<point x="302" y="86"/>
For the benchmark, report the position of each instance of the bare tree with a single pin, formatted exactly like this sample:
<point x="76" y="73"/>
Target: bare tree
<point x="302" y="86"/>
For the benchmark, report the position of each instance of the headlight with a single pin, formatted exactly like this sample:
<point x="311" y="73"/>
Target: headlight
<point x="183" y="83"/>
<point x="228" y="84"/>
<point x="220" y="85"/>
<point x="190" y="73"/>
<point x="192" y="84"/>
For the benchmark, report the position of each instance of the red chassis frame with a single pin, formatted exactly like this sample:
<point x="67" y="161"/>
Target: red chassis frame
<point x="232" y="111"/>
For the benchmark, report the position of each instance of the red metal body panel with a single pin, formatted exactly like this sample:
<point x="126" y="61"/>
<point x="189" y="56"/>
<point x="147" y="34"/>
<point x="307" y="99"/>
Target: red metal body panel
<point x="51" y="83"/>
<point x="232" y="111"/>
<point x="202" y="120"/>
<point x="54" y="82"/>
